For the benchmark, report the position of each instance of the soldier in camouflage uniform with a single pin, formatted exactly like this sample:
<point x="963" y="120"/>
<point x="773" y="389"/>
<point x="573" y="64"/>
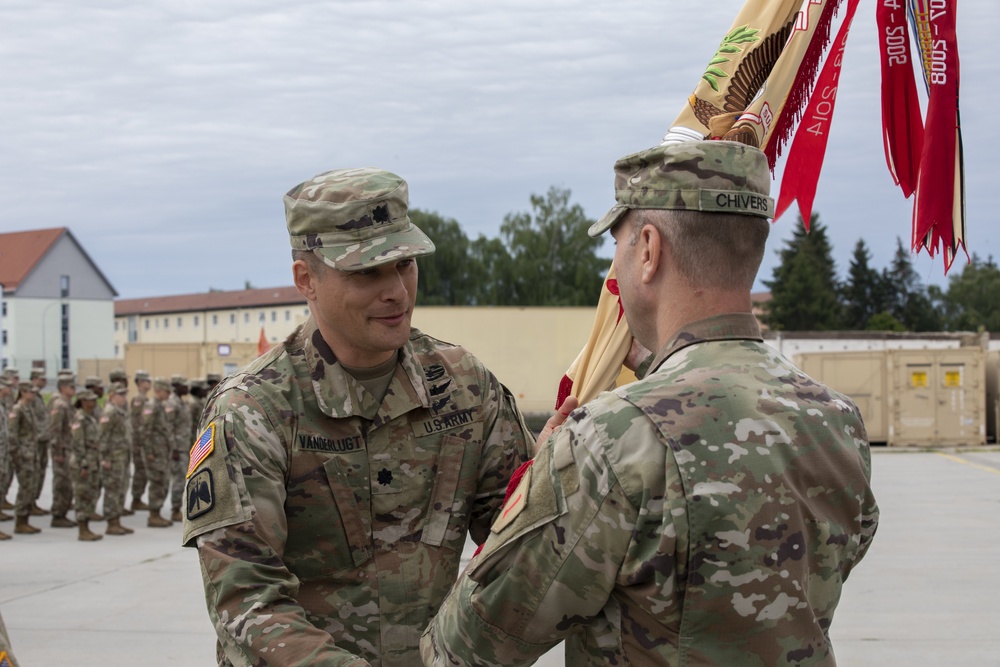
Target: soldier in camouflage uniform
<point x="181" y="424"/>
<point x="23" y="434"/>
<point x="60" y="442"/>
<point x="116" y="445"/>
<point x="5" y="464"/>
<point x="85" y="462"/>
<point x="119" y="379"/>
<point x="158" y="442"/>
<point x="95" y="384"/>
<point x="707" y="514"/>
<point x="143" y="383"/>
<point x="11" y="375"/>
<point x="336" y="477"/>
<point x="41" y="412"/>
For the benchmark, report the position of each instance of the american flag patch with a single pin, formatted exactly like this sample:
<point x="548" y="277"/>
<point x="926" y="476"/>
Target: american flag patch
<point x="202" y="448"/>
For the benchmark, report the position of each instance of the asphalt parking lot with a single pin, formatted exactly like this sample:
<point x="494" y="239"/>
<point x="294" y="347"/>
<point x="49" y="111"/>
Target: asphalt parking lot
<point x="928" y="593"/>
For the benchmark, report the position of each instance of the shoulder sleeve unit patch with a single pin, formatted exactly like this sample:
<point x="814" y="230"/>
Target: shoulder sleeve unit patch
<point x="202" y="448"/>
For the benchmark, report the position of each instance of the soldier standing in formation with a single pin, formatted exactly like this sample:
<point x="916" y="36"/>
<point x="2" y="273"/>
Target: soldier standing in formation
<point x="137" y="409"/>
<point x="96" y="385"/>
<point x="85" y="463"/>
<point x="116" y="445"/>
<point x="23" y="438"/>
<point x="181" y="427"/>
<point x="158" y="443"/>
<point x="60" y="442"/>
<point x="4" y="446"/>
<point x="41" y="413"/>
<point x="9" y="374"/>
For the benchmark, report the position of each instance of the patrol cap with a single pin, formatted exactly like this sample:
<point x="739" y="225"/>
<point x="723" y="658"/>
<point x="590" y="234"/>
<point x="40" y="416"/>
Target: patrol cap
<point x="37" y="373"/>
<point x="178" y="379"/>
<point x="142" y="375"/>
<point x="118" y="389"/>
<point x="10" y="372"/>
<point x="65" y="379"/>
<point x="26" y="386"/>
<point x="93" y="381"/>
<point x="117" y="375"/>
<point x="85" y="395"/>
<point x="4" y="381"/>
<point x="213" y="377"/>
<point x="354" y="219"/>
<point x="198" y="383"/>
<point x="712" y="176"/>
<point x="162" y="383"/>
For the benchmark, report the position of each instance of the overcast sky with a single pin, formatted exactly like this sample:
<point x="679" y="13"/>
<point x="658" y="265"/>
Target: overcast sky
<point x="164" y="133"/>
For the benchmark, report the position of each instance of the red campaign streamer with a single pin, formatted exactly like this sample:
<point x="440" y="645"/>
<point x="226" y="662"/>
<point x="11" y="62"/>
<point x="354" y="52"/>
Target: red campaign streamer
<point x="902" y="125"/>
<point x="805" y="159"/>
<point x="934" y="205"/>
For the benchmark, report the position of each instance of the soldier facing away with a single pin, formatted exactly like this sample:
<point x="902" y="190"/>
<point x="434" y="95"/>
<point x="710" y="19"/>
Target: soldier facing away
<point x="707" y="514"/>
<point x="336" y="477"/>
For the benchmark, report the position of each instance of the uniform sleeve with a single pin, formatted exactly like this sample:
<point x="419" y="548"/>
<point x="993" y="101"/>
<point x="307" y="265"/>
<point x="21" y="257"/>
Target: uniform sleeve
<point x="507" y="441"/>
<point x="235" y="515"/>
<point x="549" y="565"/>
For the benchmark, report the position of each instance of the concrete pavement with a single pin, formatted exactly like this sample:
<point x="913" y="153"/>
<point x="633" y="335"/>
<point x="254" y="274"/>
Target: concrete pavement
<point x="928" y="593"/>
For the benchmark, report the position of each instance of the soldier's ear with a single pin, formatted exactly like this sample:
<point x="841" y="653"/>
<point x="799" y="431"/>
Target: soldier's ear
<point x="304" y="279"/>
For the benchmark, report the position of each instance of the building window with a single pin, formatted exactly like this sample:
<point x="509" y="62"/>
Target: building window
<point x="116" y="349"/>
<point x="305" y="311"/>
<point x="156" y="324"/>
<point x="179" y="321"/>
<point x="4" y="309"/>
<point x="166" y="322"/>
<point x="288" y="316"/>
<point x="274" y="316"/>
<point x="246" y="318"/>
<point x="145" y="324"/>
<point x="4" y="336"/>
<point x="63" y="286"/>
<point x="65" y="336"/>
<point x="215" y="320"/>
<point x="232" y="318"/>
<point x="116" y="326"/>
<point x="196" y="320"/>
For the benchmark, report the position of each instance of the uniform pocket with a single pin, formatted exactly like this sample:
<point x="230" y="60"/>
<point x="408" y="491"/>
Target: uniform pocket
<point x="446" y="515"/>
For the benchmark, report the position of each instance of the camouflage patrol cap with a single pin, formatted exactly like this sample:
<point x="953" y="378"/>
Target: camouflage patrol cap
<point x="64" y="379"/>
<point x="85" y="395"/>
<point x="93" y="381"/>
<point x="26" y="386"/>
<point x="198" y="383"/>
<point x="142" y="375"/>
<point x="162" y="383"/>
<point x="354" y="219"/>
<point x="710" y="176"/>
<point x="37" y="373"/>
<point x="117" y="375"/>
<point x="118" y="389"/>
<point x="178" y="379"/>
<point x="213" y="377"/>
<point x="10" y="372"/>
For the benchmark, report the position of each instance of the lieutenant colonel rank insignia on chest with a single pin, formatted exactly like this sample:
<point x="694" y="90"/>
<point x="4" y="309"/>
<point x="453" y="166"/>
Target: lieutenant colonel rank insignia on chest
<point x="202" y="448"/>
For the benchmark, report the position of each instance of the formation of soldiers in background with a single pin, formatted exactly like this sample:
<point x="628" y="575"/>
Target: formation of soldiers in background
<point x="96" y="439"/>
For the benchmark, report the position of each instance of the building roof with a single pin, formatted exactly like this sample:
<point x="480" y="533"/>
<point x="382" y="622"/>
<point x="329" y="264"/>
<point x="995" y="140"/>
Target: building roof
<point x="20" y="252"/>
<point x="181" y="303"/>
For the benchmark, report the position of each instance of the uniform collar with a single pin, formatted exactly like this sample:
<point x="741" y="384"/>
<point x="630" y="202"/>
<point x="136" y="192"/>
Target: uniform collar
<point x="731" y="326"/>
<point x="339" y="395"/>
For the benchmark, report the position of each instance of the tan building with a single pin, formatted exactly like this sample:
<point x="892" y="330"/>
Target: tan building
<point x="211" y="317"/>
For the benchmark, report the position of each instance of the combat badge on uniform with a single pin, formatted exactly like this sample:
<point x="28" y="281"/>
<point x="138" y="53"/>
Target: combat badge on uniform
<point x="202" y="448"/>
<point x="200" y="494"/>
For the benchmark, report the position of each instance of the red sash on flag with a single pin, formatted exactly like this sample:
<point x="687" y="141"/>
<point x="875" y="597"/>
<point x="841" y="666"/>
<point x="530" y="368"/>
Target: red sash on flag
<point x="805" y="159"/>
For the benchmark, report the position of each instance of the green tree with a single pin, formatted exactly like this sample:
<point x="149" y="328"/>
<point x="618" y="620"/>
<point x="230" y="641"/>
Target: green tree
<point x="494" y="281"/>
<point x="804" y="288"/>
<point x="864" y="291"/>
<point x="907" y="299"/>
<point x="554" y="260"/>
<point x="972" y="302"/>
<point x="445" y="278"/>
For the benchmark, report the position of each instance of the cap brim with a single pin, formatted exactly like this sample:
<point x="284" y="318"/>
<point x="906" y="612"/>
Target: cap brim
<point x="610" y="219"/>
<point x="411" y="242"/>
